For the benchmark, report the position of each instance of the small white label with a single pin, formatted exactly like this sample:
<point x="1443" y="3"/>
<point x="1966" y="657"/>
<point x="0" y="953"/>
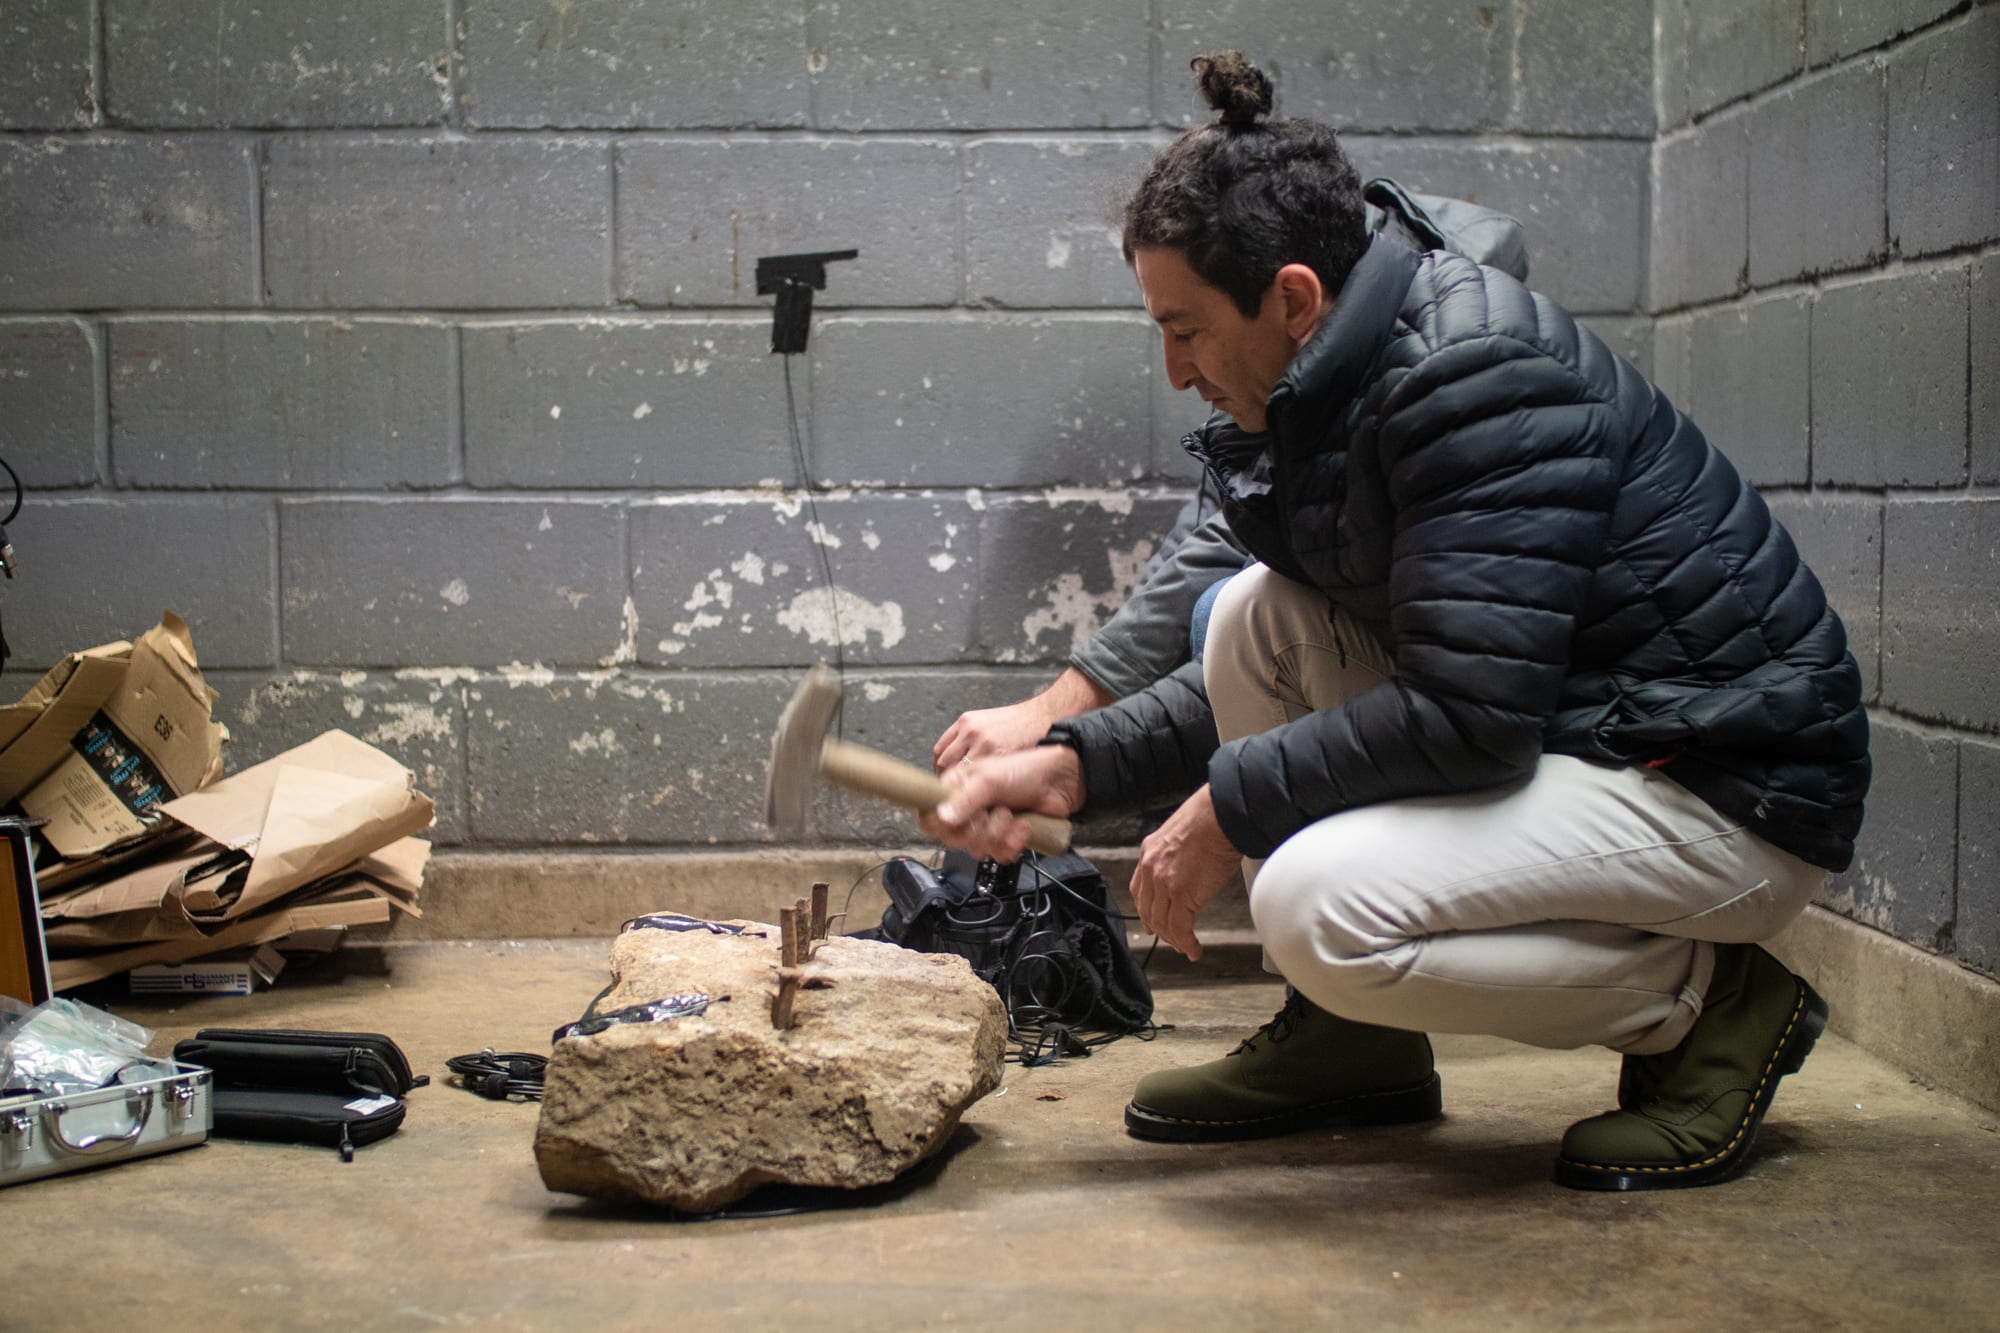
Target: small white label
<point x="370" y="1105"/>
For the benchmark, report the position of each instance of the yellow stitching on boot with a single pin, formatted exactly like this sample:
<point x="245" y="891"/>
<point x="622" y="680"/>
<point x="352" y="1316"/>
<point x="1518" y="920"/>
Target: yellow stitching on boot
<point x="1280" y="1115"/>
<point x="1741" y="1125"/>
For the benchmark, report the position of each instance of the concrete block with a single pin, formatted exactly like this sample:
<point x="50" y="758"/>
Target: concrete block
<point x="648" y="64"/>
<point x="1052" y="570"/>
<point x="1670" y="63"/>
<point x="1944" y="136"/>
<point x="1749" y="374"/>
<point x="654" y="403"/>
<point x="281" y="404"/>
<point x="1044" y="217"/>
<point x="103" y="221"/>
<point x="741" y="583"/>
<point x="637" y="758"/>
<point x="496" y="221"/>
<point x="208" y="63"/>
<point x="1977" y="939"/>
<point x="1941" y="610"/>
<point x="96" y="570"/>
<point x="1583" y="203"/>
<point x="1581" y="67"/>
<point x="982" y="400"/>
<point x="1836" y="28"/>
<point x="1840" y="538"/>
<point x="1983" y="364"/>
<point x="1736" y="47"/>
<point x="1701" y="208"/>
<point x="48" y="401"/>
<point x="1902" y="880"/>
<point x="1888" y="381"/>
<point x="1631" y="336"/>
<point x="1353" y="64"/>
<point x="418" y="721"/>
<point x="48" y="83"/>
<point x="1671" y="337"/>
<point x="1816" y="176"/>
<point x="467" y="583"/>
<point x="695" y="214"/>
<point x="878" y="65"/>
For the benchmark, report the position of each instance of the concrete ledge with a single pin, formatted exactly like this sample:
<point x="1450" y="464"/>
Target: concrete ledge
<point x="563" y="895"/>
<point x="1919" y="1012"/>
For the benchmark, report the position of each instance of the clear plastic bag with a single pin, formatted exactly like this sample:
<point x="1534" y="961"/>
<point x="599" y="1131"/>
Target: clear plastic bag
<point x="64" y="1047"/>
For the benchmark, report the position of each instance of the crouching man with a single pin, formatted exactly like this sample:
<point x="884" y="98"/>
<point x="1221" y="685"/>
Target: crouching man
<point x="1528" y="721"/>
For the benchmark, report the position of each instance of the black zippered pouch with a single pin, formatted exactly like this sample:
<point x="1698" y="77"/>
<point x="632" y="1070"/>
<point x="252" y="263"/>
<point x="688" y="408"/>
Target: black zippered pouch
<point x="290" y="1058"/>
<point x="339" y="1088"/>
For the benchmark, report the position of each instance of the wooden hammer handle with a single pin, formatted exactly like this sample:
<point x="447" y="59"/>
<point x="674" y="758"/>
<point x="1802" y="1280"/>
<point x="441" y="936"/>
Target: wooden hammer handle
<point x="858" y="768"/>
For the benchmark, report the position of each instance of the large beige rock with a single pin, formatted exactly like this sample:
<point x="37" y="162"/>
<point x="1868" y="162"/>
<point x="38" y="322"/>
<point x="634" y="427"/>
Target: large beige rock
<point x="887" y="1050"/>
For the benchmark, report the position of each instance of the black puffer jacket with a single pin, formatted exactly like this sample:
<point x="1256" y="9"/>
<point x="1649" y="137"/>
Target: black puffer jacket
<point x="1557" y="558"/>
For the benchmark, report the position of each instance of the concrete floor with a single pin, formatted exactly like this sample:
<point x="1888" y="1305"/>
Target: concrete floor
<point x="1871" y="1203"/>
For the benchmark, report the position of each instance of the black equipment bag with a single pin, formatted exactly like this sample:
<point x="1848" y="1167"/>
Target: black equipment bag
<point x="1043" y="932"/>
<point x="338" y="1088"/>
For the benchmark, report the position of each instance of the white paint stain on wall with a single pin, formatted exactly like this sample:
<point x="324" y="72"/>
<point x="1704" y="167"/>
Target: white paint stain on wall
<point x="602" y="741"/>
<point x="877" y="690"/>
<point x="750" y="568"/>
<point x="628" y="639"/>
<point x="1110" y="501"/>
<point x="942" y="561"/>
<point x="517" y="674"/>
<point x="1070" y="605"/>
<point x="456" y="592"/>
<point x="812" y="613"/>
<point x="1058" y="251"/>
<point x="407" y="722"/>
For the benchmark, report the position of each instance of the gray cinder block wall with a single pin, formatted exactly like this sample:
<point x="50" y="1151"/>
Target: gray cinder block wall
<point x="1826" y="229"/>
<point x="410" y="348"/>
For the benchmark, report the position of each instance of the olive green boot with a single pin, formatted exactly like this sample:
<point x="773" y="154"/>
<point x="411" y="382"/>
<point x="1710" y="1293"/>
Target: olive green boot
<point x="1689" y="1116"/>
<point x="1302" y="1069"/>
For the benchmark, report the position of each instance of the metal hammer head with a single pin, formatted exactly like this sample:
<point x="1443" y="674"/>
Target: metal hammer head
<point x="795" y="750"/>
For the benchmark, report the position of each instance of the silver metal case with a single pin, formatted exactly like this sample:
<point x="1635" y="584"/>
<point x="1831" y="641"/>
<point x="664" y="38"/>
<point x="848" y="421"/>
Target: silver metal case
<point x="45" y="1136"/>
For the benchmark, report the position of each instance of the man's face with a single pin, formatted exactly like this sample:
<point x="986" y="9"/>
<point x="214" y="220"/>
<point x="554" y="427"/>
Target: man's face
<point x="1232" y="361"/>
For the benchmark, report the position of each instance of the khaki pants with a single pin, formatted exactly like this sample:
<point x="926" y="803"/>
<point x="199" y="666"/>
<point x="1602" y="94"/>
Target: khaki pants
<point x="1576" y="907"/>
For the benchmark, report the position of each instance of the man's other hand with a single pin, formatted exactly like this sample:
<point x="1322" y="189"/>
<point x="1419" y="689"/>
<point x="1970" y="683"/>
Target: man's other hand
<point x="978" y="812"/>
<point x="990" y="731"/>
<point x="1182" y="866"/>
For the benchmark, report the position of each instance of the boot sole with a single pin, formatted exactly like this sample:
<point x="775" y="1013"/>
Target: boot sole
<point x="1794" y="1045"/>
<point x="1397" y="1106"/>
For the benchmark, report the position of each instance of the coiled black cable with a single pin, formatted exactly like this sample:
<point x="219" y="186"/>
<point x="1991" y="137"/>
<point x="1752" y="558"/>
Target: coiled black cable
<point x="500" y="1075"/>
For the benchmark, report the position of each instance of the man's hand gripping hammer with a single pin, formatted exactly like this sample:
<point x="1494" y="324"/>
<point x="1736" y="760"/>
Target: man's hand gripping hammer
<point x="801" y="751"/>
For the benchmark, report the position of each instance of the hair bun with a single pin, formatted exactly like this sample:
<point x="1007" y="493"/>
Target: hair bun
<point x="1232" y="85"/>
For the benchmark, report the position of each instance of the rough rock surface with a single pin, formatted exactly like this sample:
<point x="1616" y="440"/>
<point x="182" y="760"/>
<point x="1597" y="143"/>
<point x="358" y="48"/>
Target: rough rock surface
<point x="887" y="1050"/>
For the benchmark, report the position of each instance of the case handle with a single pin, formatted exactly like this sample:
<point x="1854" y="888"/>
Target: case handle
<point x="90" y="1144"/>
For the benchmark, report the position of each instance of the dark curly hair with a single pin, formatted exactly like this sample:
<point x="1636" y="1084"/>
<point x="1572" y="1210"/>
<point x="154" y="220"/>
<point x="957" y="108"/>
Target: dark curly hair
<point x="1243" y="196"/>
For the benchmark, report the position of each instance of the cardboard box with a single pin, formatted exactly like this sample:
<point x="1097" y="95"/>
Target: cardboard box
<point x="104" y="742"/>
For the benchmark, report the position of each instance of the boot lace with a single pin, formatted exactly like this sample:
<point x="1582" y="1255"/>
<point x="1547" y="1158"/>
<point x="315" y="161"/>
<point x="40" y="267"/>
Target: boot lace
<point x="1282" y="1024"/>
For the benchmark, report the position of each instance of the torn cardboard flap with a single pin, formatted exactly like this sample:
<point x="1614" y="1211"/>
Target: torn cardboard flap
<point x="302" y="816"/>
<point x="35" y="732"/>
<point x="152" y="738"/>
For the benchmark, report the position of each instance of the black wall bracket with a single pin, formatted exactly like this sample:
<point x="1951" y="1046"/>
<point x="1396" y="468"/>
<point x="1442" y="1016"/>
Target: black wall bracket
<point x="794" y="279"/>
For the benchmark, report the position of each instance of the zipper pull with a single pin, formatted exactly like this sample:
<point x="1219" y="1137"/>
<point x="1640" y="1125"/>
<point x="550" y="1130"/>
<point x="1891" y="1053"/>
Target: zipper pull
<point x="346" y="1144"/>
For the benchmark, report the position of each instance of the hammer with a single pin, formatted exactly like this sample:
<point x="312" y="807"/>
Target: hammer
<point x="801" y="750"/>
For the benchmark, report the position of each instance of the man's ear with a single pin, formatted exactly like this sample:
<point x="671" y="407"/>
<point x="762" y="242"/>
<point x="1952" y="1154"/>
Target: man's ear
<point x="1302" y="298"/>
